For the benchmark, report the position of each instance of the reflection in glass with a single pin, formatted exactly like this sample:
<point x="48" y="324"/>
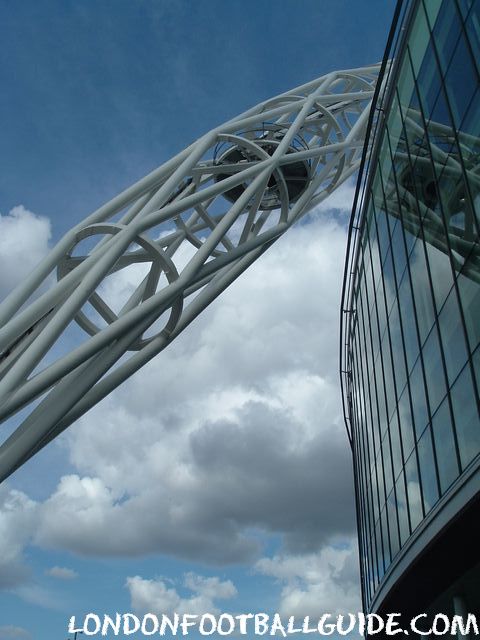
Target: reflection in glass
<point x="413" y="491"/>
<point x="427" y="471"/>
<point x="416" y="349"/>
<point x="467" y="423"/>
<point x="445" y="446"/>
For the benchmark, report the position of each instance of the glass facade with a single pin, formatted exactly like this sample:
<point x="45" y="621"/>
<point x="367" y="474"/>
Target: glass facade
<point x="411" y="362"/>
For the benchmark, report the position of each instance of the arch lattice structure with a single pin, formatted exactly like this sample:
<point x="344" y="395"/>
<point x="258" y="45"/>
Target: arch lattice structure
<point x="183" y="234"/>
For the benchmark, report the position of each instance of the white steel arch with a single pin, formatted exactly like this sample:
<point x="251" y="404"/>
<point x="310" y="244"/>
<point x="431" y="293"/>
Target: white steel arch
<point x="195" y="224"/>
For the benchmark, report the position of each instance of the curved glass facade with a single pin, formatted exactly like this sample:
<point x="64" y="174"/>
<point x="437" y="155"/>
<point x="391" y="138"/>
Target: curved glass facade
<point x="412" y="357"/>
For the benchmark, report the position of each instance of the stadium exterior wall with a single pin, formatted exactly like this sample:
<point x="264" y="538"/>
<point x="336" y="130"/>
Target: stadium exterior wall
<point x="410" y="335"/>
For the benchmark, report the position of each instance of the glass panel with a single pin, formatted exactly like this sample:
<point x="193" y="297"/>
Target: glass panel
<point x="453" y="338"/>
<point x="440" y="268"/>
<point x="386" y="548"/>
<point x="432" y="8"/>
<point x="402" y="509"/>
<point x="394" y="125"/>
<point x="411" y="233"/>
<point x="472" y="26"/>
<point x="389" y="282"/>
<point x="476" y="365"/>
<point x="381" y="483"/>
<point x="434" y="375"/>
<point x="446" y="32"/>
<point x="405" y="85"/>
<point x="469" y="136"/>
<point x="421" y="291"/>
<point x="464" y="6"/>
<point x="419" y="400"/>
<point x="413" y="491"/>
<point x="374" y="333"/>
<point x="380" y="560"/>
<point x="393" y="524"/>
<point x="385" y="169"/>
<point x="469" y="290"/>
<point x="387" y="465"/>
<point x="419" y="38"/>
<point x="428" y="81"/>
<point x="397" y="349"/>
<point x="374" y="254"/>
<point x="445" y="446"/>
<point x="408" y="321"/>
<point x="465" y="413"/>
<point x="470" y="124"/>
<point x="382" y="229"/>
<point x="396" y="446"/>
<point x="440" y="114"/>
<point x="388" y="372"/>
<point x="406" y="423"/>
<point x="460" y="81"/>
<point x="373" y="482"/>
<point x="382" y="411"/>
<point x="398" y="248"/>
<point x="427" y="471"/>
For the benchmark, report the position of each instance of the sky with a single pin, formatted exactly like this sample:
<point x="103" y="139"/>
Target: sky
<point x="218" y="478"/>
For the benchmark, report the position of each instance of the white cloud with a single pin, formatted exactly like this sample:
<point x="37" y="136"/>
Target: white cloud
<point x="24" y="238"/>
<point x="62" y="573"/>
<point x="154" y="596"/>
<point x="340" y="200"/>
<point x="317" y="583"/>
<point x="17" y="521"/>
<point x="235" y="429"/>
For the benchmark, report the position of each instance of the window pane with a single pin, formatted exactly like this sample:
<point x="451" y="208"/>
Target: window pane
<point x="464" y="6"/>
<point x="419" y="400"/>
<point x="469" y="291"/>
<point x="386" y="546"/>
<point x="396" y="446"/>
<point x="397" y="349"/>
<point x="427" y="471"/>
<point x="445" y="447"/>
<point x="393" y="524"/>
<point x="402" y="509"/>
<point x="413" y="491"/>
<point x="419" y="38"/>
<point x="421" y="291"/>
<point x="467" y="423"/>
<point x="440" y="268"/>
<point x="460" y="81"/>
<point x="398" y="248"/>
<point x="406" y="424"/>
<point x="434" y="375"/>
<point x="472" y="26"/>
<point x="446" y="32"/>
<point x="387" y="465"/>
<point x="453" y="338"/>
<point x="408" y="321"/>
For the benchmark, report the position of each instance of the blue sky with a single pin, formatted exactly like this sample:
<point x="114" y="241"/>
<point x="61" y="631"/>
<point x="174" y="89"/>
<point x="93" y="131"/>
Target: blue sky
<point x="95" y="95"/>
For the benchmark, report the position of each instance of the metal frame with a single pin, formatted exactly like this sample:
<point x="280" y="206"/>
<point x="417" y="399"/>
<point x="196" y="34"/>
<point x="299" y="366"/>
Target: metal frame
<point x="224" y="200"/>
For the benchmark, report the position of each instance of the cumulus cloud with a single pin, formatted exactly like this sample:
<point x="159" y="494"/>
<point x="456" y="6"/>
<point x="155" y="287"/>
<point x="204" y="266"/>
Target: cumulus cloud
<point x="313" y="584"/>
<point x="24" y="238"/>
<point x="154" y="596"/>
<point x="340" y="200"/>
<point x="233" y="431"/>
<point x="17" y="522"/>
<point x="62" y="573"/>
